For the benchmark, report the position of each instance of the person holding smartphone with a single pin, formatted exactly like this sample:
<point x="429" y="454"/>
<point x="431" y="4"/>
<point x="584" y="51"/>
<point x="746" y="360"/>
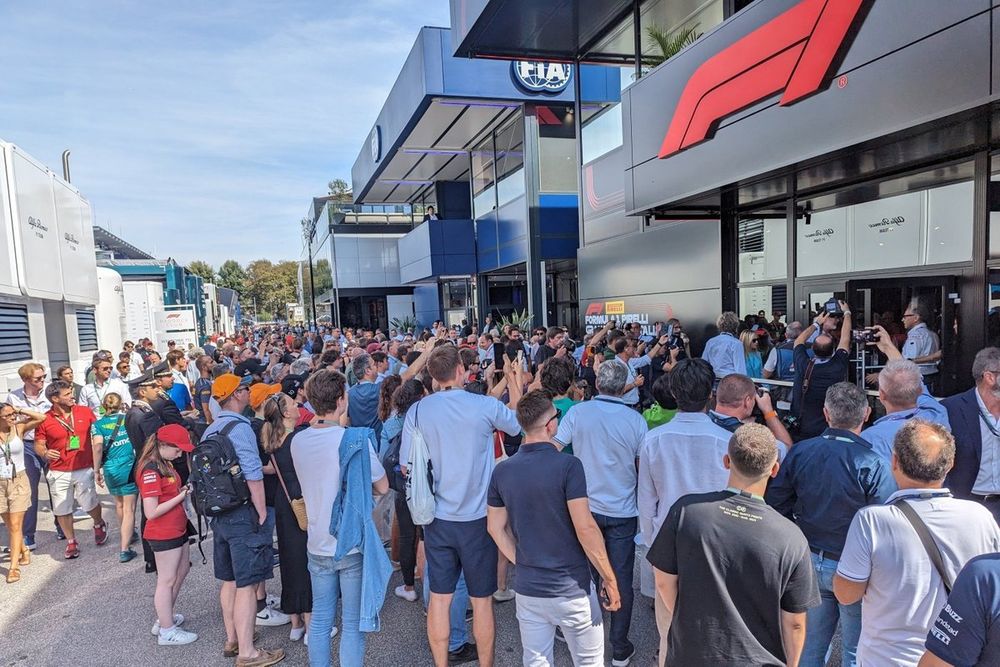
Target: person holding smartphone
<point x="166" y="527"/>
<point x="552" y="550"/>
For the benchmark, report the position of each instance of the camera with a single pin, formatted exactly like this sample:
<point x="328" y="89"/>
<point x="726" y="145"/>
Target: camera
<point x="570" y="345"/>
<point x="832" y="307"/>
<point x="865" y="336"/>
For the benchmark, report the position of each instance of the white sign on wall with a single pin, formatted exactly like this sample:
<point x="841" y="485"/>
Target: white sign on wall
<point x="822" y="244"/>
<point x="887" y="232"/>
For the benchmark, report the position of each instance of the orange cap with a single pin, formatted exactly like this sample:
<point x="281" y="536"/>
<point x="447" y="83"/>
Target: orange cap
<point x="259" y="393"/>
<point x="224" y="385"/>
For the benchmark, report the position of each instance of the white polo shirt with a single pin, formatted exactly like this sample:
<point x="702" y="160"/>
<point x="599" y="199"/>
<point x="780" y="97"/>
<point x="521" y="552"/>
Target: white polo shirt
<point x="905" y="592"/>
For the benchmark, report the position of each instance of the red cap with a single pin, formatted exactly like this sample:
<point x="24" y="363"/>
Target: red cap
<point x="176" y="435"/>
<point x="373" y="347"/>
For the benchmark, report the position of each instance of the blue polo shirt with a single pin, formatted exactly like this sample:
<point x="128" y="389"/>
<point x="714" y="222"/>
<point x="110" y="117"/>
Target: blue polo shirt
<point x="824" y="481"/>
<point x="882" y="433"/>
<point x="966" y="632"/>
<point x="535" y="485"/>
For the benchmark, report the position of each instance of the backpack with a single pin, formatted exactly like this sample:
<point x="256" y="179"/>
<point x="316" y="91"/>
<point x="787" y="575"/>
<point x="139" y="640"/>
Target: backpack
<point x="390" y="461"/>
<point x="420" y="480"/>
<point x="216" y="479"/>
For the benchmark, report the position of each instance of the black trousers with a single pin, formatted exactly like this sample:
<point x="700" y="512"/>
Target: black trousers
<point x="407" y="540"/>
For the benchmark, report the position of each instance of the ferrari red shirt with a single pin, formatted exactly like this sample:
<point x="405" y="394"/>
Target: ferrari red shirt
<point x="152" y="484"/>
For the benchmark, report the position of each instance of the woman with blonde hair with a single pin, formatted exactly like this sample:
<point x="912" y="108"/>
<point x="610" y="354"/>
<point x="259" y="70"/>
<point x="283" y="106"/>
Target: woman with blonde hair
<point x="114" y="458"/>
<point x="755" y="365"/>
<point x="15" y="491"/>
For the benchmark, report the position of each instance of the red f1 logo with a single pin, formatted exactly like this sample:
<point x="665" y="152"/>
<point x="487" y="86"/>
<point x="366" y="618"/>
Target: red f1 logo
<point x="792" y="52"/>
<point x="595" y="308"/>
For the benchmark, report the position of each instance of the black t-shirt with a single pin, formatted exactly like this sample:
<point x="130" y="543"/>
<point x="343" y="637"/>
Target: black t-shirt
<point x="739" y="565"/>
<point x="544" y="354"/>
<point x="534" y="485"/>
<point x="823" y="376"/>
<point x="270" y="481"/>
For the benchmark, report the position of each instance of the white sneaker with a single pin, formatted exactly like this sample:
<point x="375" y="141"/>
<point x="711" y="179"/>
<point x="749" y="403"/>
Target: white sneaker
<point x="333" y="633"/>
<point x="296" y="634"/>
<point x="272" y="617"/>
<point x="273" y="601"/>
<point x="409" y="596"/>
<point x="155" y="630"/>
<point x="504" y="595"/>
<point x="176" y="636"/>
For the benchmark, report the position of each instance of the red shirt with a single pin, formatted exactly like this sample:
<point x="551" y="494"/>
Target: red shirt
<point x="56" y="432"/>
<point x="152" y="484"/>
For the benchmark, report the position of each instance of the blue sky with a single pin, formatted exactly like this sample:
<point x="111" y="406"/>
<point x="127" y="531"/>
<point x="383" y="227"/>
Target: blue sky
<point x="201" y="130"/>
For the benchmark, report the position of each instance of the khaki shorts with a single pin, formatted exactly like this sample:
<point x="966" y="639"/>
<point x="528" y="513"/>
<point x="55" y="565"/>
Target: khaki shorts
<point x="66" y="487"/>
<point x="15" y="494"/>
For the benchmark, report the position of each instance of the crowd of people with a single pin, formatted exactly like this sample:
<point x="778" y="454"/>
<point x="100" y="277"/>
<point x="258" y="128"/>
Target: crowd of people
<point x="494" y="464"/>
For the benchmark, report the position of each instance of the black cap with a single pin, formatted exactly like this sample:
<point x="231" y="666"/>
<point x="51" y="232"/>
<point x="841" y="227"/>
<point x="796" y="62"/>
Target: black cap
<point x="161" y="370"/>
<point x="144" y="380"/>
<point x="292" y="384"/>
<point x="251" y="366"/>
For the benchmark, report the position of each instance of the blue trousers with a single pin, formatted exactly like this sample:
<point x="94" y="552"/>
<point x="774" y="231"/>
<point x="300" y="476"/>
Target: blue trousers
<point x="33" y="467"/>
<point x="619" y="540"/>
<point x="821" y="621"/>
<point x="333" y="580"/>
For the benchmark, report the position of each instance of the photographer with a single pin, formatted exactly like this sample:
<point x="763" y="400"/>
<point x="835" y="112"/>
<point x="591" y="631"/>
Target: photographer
<point x="627" y="353"/>
<point x="814" y="376"/>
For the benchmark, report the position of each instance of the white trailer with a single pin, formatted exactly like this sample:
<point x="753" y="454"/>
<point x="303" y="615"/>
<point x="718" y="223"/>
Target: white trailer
<point x="211" y="309"/>
<point x="48" y="272"/>
<point x="143" y="298"/>
<point x="111" y="324"/>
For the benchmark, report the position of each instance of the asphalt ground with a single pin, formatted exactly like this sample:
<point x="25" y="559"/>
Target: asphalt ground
<point x="96" y="612"/>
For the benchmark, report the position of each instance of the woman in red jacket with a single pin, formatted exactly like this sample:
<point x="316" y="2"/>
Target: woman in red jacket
<point x="166" y="527"/>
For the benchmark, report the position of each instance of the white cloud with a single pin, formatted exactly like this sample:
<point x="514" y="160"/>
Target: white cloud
<point x="203" y="129"/>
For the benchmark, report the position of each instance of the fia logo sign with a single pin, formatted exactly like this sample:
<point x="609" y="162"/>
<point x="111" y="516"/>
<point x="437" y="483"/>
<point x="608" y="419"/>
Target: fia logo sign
<point x="540" y="77"/>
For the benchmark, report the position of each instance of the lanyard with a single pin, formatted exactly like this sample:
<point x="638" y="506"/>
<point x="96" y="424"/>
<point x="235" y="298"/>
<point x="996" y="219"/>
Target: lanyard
<point x="6" y="449"/>
<point x="838" y="438"/>
<point x="988" y="420"/>
<point x="71" y="426"/>
<point x="744" y="494"/>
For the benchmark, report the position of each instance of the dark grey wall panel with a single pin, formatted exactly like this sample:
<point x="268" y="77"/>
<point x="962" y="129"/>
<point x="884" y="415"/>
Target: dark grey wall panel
<point x="678" y="257"/>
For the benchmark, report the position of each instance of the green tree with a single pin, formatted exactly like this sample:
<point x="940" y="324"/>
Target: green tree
<point x="340" y="190"/>
<point x="203" y="269"/>
<point x="270" y="287"/>
<point x="232" y="275"/>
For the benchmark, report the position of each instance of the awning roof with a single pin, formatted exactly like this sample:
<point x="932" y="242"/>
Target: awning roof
<point x="557" y="29"/>
<point x="437" y="149"/>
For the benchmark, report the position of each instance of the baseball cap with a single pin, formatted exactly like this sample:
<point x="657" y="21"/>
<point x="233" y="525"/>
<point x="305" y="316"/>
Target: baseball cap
<point x="176" y="435"/>
<point x="373" y="347"/>
<point x="292" y="384"/>
<point x="260" y="391"/>
<point x="224" y="385"/>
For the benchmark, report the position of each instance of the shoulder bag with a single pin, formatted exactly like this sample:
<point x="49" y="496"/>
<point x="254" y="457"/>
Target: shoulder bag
<point x="933" y="552"/>
<point x="298" y="504"/>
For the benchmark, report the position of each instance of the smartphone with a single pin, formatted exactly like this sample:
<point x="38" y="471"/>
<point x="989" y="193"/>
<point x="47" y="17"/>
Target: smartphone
<point x="646" y="339"/>
<point x="670" y="330"/>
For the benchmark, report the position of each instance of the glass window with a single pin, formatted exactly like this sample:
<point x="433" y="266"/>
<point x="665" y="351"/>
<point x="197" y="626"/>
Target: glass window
<point x="892" y="224"/>
<point x="993" y="303"/>
<point x="771" y="299"/>
<point x="602" y="132"/>
<point x="994" y="225"/>
<point x="483" y="193"/>
<point x="670" y="25"/>
<point x="510" y="161"/>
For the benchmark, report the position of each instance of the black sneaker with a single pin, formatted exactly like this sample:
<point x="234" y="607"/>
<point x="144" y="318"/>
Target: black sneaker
<point x="559" y="635"/>
<point x="623" y="661"/>
<point x="468" y="614"/>
<point x="465" y="653"/>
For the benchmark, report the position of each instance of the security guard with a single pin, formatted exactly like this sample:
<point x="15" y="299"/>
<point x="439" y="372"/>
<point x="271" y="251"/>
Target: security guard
<point x="922" y="346"/>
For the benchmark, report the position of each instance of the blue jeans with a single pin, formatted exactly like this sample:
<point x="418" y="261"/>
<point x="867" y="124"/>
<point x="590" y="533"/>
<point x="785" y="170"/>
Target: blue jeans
<point x="330" y="580"/>
<point x="456" y="613"/>
<point x="821" y="621"/>
<point x="33" y="468"/>
<point x="619" y="541"/>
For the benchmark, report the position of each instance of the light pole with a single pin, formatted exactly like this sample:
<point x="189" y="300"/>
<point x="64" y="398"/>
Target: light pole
<point x="309" y="233"/>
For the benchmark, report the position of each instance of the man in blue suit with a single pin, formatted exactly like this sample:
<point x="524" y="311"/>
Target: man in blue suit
<point x="975" y="424"/>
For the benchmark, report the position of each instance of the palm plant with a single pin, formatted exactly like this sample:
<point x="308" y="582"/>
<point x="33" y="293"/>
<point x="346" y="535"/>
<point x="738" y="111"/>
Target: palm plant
<point x="404" y="324"/>
<point x="670" y="42"/>
<point x="520" y="319"/>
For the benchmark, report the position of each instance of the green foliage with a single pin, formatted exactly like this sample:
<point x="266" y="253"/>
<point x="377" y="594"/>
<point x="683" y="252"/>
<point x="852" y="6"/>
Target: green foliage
<point x="203" y="269"/>
<point x="270" y="287"/>
<point x="403" y="324"/>
<point x="232" y="275"/>
<point x="521" y="319"/>
<point x="340" y="190"/>
<point x="670" y="42"/>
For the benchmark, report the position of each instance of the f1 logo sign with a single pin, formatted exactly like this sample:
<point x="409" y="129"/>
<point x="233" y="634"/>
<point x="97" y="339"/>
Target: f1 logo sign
<point x="595" y="309"/>
<point x="791" y="53"/>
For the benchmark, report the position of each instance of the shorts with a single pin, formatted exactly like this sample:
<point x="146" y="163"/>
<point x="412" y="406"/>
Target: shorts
<point x="167" y="545"/>
<point x="67" y="487"/>
<point x="118" y="479"/>
<point x="15" y="494"/>
<point x="454" y="547"/>
<point x="242" y="549"/>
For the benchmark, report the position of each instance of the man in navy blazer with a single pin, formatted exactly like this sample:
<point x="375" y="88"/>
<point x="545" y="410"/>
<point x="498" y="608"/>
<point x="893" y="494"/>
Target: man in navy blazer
<point x="975" y="424"/>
